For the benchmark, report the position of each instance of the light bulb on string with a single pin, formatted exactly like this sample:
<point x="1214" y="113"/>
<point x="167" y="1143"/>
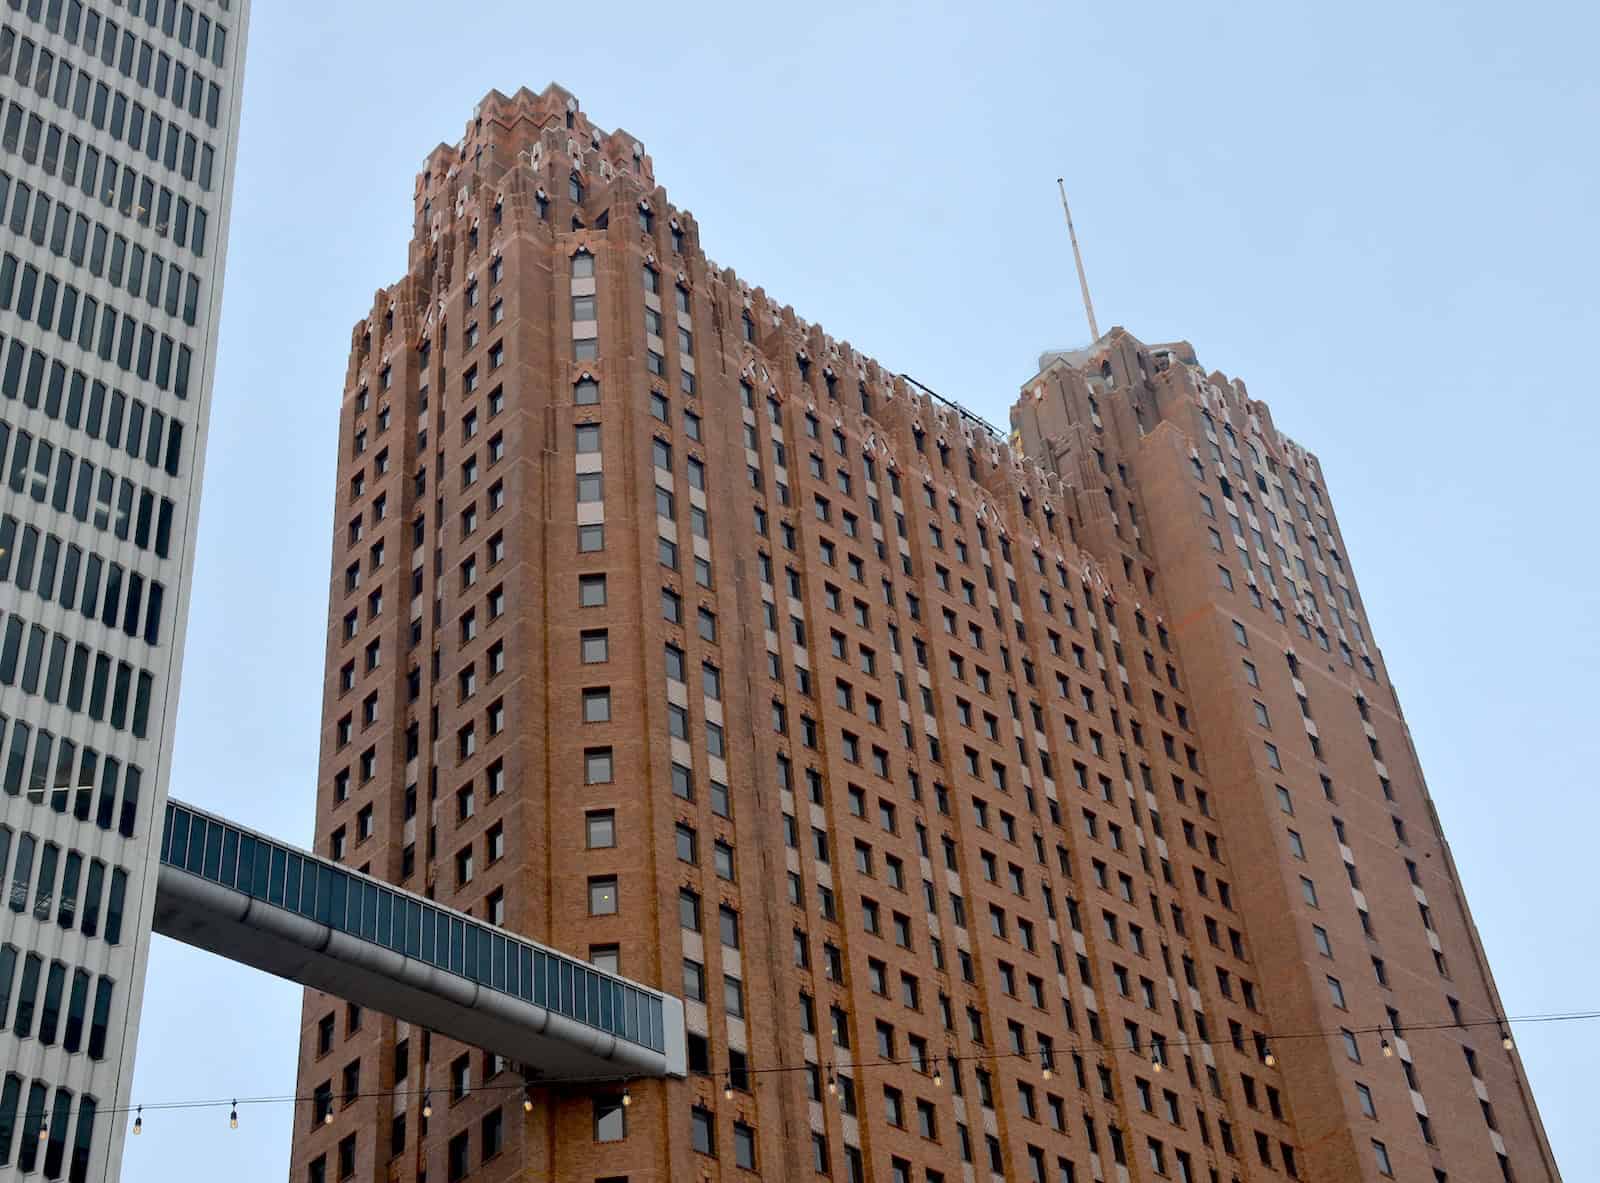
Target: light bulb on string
<point x="931" y="1067"/>
<point x="44" y="1128"/>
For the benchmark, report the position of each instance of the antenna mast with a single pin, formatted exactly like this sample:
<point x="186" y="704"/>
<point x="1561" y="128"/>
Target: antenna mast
<point x="1077" y="257"/>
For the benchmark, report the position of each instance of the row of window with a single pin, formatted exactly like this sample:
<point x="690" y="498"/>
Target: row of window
<point x="40" y="895"/>
<point x="57" y="668"/>
<point x="997" y="770"/>
<point x="47" y="143"/>
<point x="1271" y="465"/>
<point x="703" y="1137"/>
<point x="610" y="1125"/>
<point x="193" y="30"/>
<point x="138" y="348"/>
<point x="174" y="18"/>
<point x="88" y="243"/>
<point x="1336" y="990"/>
<point x="1069" y="609"/>
<point x="133" y="57"/>
<point x="63" y="1008"/>
<point x="110" y="503"/>
<point x="1308" y="888"/>
<point x="70" y="780"/>
<point x="913" y="601"/>
<point x="584" y="310"/>
<point x="1301" y="624"/>
<point x="1346" y="654"/>
<point x="703" y="1122"/>
<point x="1036" y="1162"/>
<point x="1285" y="798"/>
<point x="1285" y="527"/>
<point x="600" y="824"/>
<point x="694" y="973"/>
<point x="53" y="568"/>
<point x="647" y="220"/>
<point x="1191" y="844"/>
<point x="703" y="1127"/>
<point x="27" y="1112"/>
<point x="1283" y="555"/>
<point x="90" y="406"/>
<point x="1066" y="1172"/>
<point x="139" y="198"/>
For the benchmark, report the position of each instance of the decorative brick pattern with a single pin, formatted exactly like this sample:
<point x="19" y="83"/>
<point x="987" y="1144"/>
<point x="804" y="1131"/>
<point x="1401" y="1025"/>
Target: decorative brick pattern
<point x="946" y="732"/>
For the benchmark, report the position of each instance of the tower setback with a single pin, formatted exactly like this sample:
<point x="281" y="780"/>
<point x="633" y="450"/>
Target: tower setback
<point x="1031" y="806"/>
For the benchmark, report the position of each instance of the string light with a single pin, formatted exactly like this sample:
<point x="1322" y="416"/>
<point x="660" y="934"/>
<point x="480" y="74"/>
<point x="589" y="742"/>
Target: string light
<point x="627" y="1098"/>
<point x="1098" y="1050"/>
<point x="233" y="1115"/>
<point x="727" y="1088"/>
<point x="1270" y="1060"/>
<point x="527" y="1098"/>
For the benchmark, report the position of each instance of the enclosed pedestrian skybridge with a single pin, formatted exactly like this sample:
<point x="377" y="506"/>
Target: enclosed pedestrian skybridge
<point x="235" y="893"/>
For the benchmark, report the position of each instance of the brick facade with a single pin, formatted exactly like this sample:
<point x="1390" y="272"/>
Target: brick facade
<point x="953" y="732"/>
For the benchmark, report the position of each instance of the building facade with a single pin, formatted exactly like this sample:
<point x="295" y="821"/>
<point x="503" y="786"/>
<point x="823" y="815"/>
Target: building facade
<point x="987" y="828"/>
<point x="118" y="123"/>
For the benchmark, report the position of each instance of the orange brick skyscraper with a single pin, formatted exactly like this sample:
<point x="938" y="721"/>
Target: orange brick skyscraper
<point x="992" y="804"/>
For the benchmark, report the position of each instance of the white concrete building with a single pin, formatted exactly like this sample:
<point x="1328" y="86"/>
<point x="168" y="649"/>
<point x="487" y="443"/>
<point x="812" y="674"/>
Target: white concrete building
<point x="119" y="121"/>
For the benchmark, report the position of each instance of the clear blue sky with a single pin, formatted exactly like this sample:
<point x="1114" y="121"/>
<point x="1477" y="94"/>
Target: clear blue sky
<point x="1381" y="216"/>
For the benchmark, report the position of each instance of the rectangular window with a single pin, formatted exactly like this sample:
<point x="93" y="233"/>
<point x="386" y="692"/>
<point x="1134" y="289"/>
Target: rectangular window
<point x="1381" y="1153"/>
<point x="702" y="1131"/>
<point x="602" y="895"/>
<point x="610" y="1124"/>
<point x="597" y="765"/>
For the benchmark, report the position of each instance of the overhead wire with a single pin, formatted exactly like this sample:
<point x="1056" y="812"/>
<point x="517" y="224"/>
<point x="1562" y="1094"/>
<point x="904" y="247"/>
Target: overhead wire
<point x="1048" y="1054"/>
